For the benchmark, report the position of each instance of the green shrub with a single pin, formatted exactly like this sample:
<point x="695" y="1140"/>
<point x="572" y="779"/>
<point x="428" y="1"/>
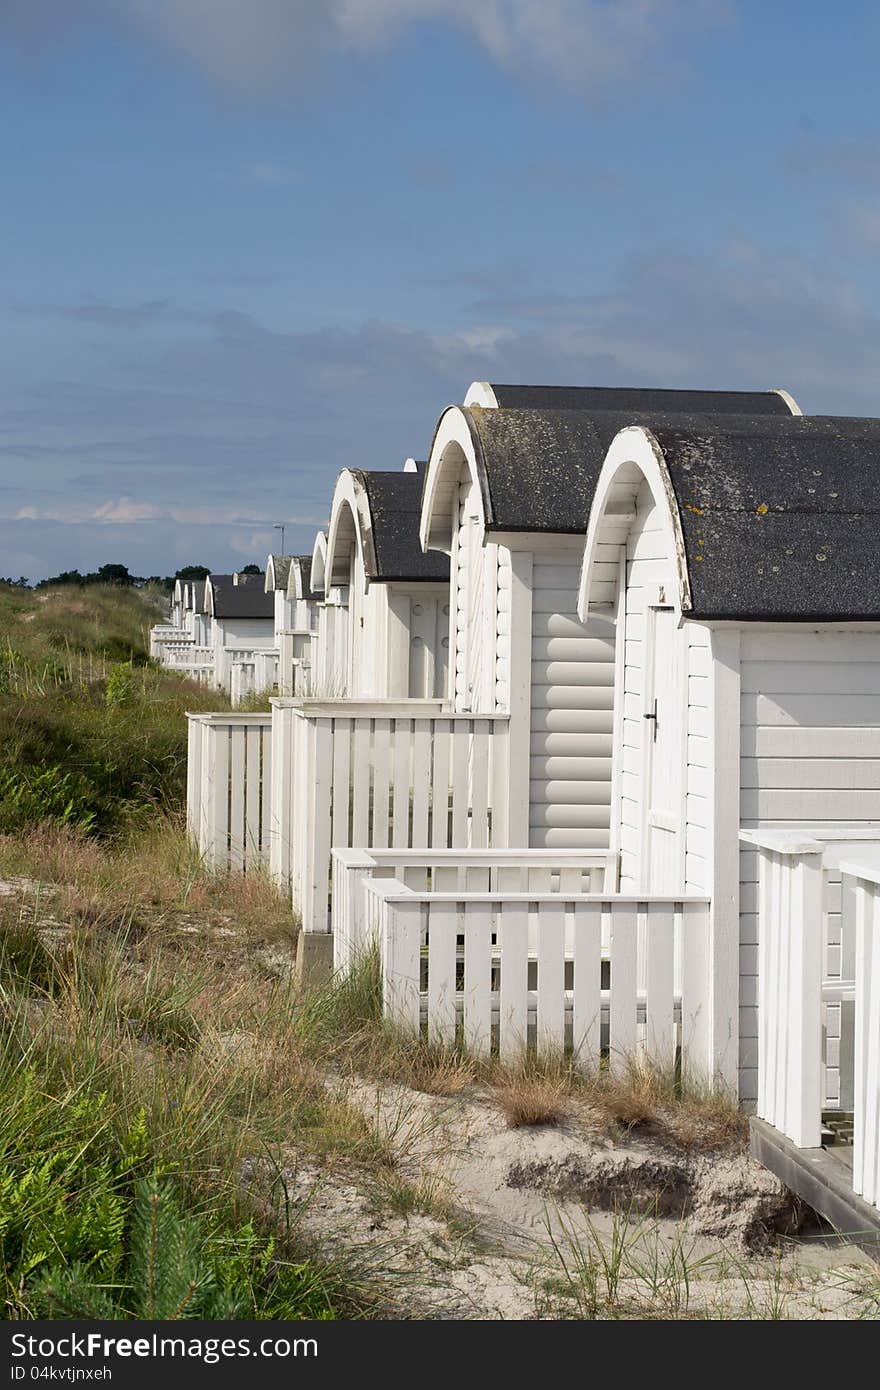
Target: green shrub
<point x="119" y="689"/>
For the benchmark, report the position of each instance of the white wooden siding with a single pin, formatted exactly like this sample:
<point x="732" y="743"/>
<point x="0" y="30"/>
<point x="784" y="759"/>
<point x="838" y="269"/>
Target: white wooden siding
<point x="810" y="752"/>
<point x="572" y="700"/>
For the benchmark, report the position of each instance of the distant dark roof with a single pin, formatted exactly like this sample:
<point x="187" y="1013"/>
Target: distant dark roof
<point x="781" y="518"/>
<point x="280" y="570"/>
<point x="242" y="600"/>
<point x="395" y="508"/>
<point x="640" y="398"/>
<point x="197" y="589"/>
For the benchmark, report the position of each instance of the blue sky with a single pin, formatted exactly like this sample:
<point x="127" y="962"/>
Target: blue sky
<point x="246" y="243"/>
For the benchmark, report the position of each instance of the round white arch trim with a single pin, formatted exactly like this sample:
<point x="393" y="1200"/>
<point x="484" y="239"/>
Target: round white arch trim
<point x="481" y="393"/>
<point x="454" y="440"/>
<point x="634" y="446"/>
<point x="319" y="563"/>
<point x="349" y="498"/>
<point x="789" y="400"/>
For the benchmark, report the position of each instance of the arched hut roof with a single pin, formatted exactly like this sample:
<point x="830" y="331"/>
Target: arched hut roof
<point x="380" y="512"/>
<point x="775" y="519"/>
<point x="299" y="579"/>
<point x="649" y="398"/>
<point x="277" y="571"/>
<point x="536" y="467"/>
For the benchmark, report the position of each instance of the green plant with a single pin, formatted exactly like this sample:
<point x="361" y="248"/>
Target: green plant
<point x="120" y="687"/>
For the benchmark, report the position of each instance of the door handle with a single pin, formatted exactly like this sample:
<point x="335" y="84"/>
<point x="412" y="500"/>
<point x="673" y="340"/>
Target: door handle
<point x="653" y="716"/>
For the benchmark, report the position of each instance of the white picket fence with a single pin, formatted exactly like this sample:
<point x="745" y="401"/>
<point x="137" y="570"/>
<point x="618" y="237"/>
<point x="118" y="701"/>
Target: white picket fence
<point x="254" y="676"/>
<point x="379" y="774"/>
<point x="296" y="648"/>
<point x="189" y="654"/>
<point x="800" y="875"/>
<point x="163" y="634"/>
<point x="229" y="773"/>
<point x="863" y="900"/>
<point x="459" y="871"/>
<point x="201" y="672"/>
<point x="600" y="975"/>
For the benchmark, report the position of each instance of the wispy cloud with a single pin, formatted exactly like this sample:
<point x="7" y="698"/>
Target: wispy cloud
<point x="275" y="175"/>
<point x="259" y="46"/>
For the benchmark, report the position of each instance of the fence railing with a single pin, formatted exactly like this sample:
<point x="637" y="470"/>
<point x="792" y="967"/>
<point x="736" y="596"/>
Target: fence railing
<point x="228" y="788"/>
<point x="807" y="880"/>
<point x="459" y="871"/>
<point x="461" y="967"/>
<point x="164" y="633"/>
<point x="378" y="774"/>
<point x="189" y="653"/>
<point x="863" y="901"/>
<point x="253" y="676"/>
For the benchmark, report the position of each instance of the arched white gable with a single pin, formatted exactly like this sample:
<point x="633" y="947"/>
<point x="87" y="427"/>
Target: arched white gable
<point x="481" y="393"/>
<point x="452" y="452"/>
<point x="350" y="525"/>
<point x="633" y="464"/>
<point x="319" y="563"/>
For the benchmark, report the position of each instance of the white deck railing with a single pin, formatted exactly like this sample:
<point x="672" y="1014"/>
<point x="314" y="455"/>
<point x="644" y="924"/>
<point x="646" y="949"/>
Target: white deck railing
<point x="379" y="774"/>
<point x="862" y="899"/>
<point x="462" y="966"/>
<point x="254" y="675"/>
<point x="228" y="788"/>
<point x="459" y="871"/>
<point x="801" y="919"/>
<point x="188" y="654"/>
<point x="162" y="634"/>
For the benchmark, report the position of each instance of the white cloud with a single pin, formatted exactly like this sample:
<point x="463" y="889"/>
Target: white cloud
<point x="126" y="510"/>
<point x="254" y="46"/>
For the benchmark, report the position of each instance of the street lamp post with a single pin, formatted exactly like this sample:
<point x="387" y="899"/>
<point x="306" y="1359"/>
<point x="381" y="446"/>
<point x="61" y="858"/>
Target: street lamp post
<point x="279" y="526"/>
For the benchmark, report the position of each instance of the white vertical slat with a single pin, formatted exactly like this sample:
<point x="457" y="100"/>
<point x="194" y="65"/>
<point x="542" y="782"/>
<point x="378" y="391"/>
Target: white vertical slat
<point x="660" y="1032"/>
<point x="237" y="842"/>
<point x="514" y="941"/>
<point x="765" y="929"/>
<point x="442" y="928"/>
<point x="319" y="808"/>
<point x="219" y="824"/>
<point x="460" y="800"/>
<point x="804" y="1105"/>
<point x="866" y="1136"/>
<point x="551" y="976"/>
<point x="871" y="1164"/>
<point x="623" y="985"/>
<point x="252" y="791"/>
<point x="479" y="837"/>
<point x="477" y="976"/>
<point x="587" y="998"/>
<point x="440" y="790"/>
<point x="401" y="733"/>
<point x="770" y="996"/>
<point x="360" y="784"/>
<point x="696" y="1040"/>
<point x="421" y="781"/>
<point x="401" y="936"/>
<point x="266" y="793"/>
<point x="381" y="782"/>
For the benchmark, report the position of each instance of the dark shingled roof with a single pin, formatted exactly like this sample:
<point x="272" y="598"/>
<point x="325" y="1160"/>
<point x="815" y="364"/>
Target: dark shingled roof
<point x="540" y="467"/>
<point x="781" y="518"/>
<point x="243" y="600"/>
<point x="280" y="569"/>
<point x="640" y="398"/>
<point x="304" y="565"/>
<point x="395" y="508"/>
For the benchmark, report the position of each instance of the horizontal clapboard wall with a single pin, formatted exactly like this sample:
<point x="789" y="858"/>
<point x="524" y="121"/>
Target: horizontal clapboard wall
<point x="572" y="701"/>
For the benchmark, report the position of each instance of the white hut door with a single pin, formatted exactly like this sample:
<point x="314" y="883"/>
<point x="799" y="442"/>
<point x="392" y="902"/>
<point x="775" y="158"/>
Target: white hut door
<point x="664" y="733"/>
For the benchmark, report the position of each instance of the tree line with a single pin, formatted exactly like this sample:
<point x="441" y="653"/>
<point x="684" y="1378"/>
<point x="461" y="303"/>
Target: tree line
<point x="116" y="574"/>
